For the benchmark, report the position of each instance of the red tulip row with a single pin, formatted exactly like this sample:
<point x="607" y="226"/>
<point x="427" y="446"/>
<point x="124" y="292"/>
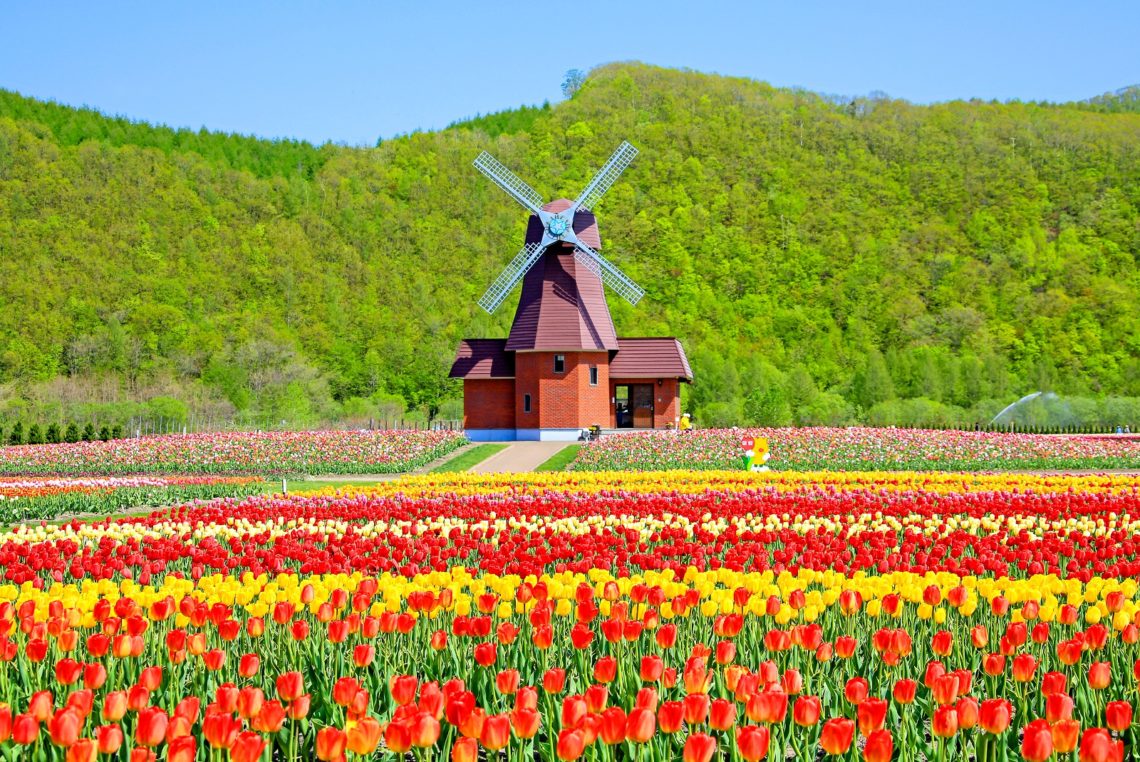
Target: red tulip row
<point x="846" y="531"/>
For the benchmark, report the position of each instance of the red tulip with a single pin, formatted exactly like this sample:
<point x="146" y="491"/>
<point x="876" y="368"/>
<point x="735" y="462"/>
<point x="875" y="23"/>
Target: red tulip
<point x="640" y="725"/>
<point x="752" y="742"/>
<point x="880" y="747"/>
<point x="699" y="747"/>
<point x="872" y="714"/>
<point x="670" y="716"/>
<point x="526" y="722"/>
<point x="554" y="681"/>
<point x="1037" y="742"/>
<point x="1118" y="715"/>
<point x="496" y="733"/>
<point x="944" y="723"/>
<point x="570" y="745"/>
<point x="837" y="735"/>
<point x="1098" y="746"/>
<point x="151" y="728"/>
<point x="856" y="690"/>
<point x="247" y="748"/>
<point x="722" y="714"/>
<point x="64" y="727"/>
<point x="290" y="686"/>
<point x="806" y="711"/>
<point x="904" y="691"/>
<point x="1099" y="675"/>
<point x="994" y="715"/>
<point x="108" y="738"/>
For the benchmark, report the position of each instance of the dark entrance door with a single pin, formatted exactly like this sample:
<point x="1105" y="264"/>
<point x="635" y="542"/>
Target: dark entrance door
<point x="623" y="413"/>
<point x="633" y="406"/>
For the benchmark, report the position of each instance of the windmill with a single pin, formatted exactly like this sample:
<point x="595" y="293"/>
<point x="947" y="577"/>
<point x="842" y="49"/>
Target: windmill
<point x="562" y="368"/>
<point x="558" y="226"/>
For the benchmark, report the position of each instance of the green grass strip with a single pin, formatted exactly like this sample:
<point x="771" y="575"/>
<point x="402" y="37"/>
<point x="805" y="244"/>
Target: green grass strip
<point x="465" y="460"/>
<point x="561" y="459"/>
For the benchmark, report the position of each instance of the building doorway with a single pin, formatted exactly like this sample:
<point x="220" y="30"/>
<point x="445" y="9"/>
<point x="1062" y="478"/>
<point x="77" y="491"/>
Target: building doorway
<point x="633" y="406"/>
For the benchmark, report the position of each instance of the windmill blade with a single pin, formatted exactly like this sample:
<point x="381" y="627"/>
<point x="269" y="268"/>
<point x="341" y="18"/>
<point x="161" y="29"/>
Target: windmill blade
<point x="606" y="177"/>
<point x="610" y="275"/>
<point x="508" y="181"/>
<point x="511" y="275"/>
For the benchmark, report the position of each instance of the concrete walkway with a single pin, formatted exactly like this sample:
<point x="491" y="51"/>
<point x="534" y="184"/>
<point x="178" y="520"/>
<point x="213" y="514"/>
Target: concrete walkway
<point x="519" y="457"/>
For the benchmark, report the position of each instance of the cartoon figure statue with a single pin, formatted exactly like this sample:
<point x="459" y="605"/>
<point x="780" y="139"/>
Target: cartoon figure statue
<point x="757" y="456"/>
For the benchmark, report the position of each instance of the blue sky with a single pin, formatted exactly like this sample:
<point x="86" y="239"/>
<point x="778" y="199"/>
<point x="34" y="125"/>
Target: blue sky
<point x="352" y="72"/>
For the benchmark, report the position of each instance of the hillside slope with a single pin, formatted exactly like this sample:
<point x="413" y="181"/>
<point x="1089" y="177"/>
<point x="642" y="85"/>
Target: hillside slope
<point x="820" y="261"/>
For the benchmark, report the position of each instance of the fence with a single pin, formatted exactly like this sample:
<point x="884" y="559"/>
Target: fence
<point x="151" y="426"/>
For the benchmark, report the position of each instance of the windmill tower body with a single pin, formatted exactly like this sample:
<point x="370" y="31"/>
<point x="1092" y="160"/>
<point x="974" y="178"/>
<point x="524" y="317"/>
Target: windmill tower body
<point x="563" y="368"/>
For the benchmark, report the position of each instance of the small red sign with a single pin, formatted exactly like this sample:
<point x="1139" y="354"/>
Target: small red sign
<point x="747" y="443"/>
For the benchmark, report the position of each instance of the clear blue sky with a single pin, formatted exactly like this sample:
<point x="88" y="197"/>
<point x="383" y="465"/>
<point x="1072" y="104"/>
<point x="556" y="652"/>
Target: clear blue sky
<point x="352" y="72"/>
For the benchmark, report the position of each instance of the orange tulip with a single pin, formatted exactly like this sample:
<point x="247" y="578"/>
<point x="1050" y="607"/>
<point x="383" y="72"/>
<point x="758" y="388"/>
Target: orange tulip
<point x="904" y="691"/>
<point x="879" y="747"/>
<point x="363" y="736"/>
<point x="465" y="750"/>
<point x="83" y="750"/>
<point x="1065" y="736"/>
<point x="1099" y="675"/>
<point x="331" y="744"/>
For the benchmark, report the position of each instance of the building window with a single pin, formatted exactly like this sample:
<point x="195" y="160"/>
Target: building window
<point x="559" y="363"/>
<point x="593" y="375"/>
<point x="526" y="403"/>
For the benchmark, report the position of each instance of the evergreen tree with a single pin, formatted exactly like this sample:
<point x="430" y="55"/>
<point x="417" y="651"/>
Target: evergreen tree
<point x="104" y="433"/>
<point x="16" y="437"/>
<point x="35" y="436"/>
<point x="89" y="432"/>
<point x="117" y="431"/>
<point x="53" y="435"/>
<point x="72" y="434"/>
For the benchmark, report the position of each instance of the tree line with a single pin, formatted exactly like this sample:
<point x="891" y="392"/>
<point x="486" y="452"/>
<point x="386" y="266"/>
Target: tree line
<point x="821" y="259"/>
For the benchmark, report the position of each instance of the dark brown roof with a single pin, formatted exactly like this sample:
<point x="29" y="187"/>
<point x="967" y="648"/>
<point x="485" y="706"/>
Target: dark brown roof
<point x="585" y="224"/>
<point x="483" y="358"/>
<point x="662" y="357"/>
<point x="562" y="306"/>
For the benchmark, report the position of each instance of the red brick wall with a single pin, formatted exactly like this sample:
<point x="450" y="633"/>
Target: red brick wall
<point x="489" y="403"/>
<point x="666" y="400"/>
<point x="561" y="400"/>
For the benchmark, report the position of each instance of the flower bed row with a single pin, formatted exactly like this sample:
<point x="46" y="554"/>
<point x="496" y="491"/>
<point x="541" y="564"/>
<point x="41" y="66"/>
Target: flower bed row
<point x="859" y="449"/>
<point x="37" y="498"/>
<point x="884" y="618"/>
<point x="307" y="452"/>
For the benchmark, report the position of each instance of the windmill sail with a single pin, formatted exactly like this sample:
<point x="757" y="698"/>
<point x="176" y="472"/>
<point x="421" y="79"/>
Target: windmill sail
<point x="511" y="275"/>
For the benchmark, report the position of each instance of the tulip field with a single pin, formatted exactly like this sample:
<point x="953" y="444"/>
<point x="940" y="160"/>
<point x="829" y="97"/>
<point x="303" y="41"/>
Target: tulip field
<point x="260" y="453"/>
<point x="33" y="498"/>
<point x="860" y="449"/>
<point x="597" y="616"/>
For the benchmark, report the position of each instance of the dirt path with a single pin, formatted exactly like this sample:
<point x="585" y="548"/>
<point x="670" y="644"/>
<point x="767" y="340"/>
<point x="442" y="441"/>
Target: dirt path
<point x="519" y="457"/>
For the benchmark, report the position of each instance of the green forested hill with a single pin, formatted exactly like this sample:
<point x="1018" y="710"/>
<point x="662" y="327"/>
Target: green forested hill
<point x="822" y="261"/>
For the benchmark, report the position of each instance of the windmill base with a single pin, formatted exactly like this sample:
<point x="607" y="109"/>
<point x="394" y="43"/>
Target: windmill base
<point x="523" y="435"/>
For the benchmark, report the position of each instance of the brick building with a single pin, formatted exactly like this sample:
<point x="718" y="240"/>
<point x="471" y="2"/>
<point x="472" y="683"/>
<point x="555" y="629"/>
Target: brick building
<point x="563" y="368"/>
